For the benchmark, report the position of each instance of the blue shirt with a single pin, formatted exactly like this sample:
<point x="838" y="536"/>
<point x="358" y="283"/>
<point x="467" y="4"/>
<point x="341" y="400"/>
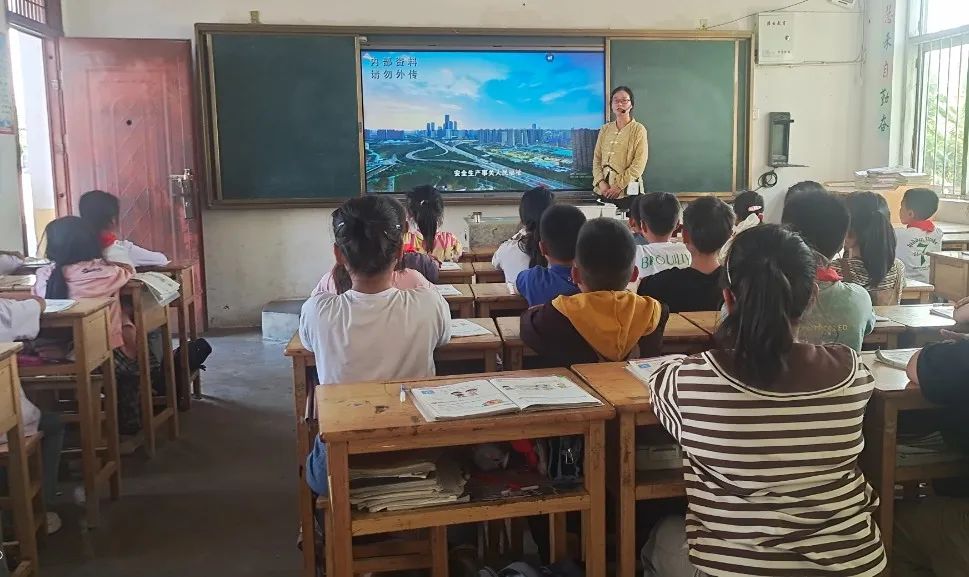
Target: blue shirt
<point x="540" y="285"/>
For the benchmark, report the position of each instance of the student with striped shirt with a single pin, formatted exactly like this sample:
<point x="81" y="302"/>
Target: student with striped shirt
<point x="771" y="431"/>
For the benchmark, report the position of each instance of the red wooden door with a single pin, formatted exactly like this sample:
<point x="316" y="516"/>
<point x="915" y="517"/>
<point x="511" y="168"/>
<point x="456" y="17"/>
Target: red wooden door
<point x="128" y="130"/>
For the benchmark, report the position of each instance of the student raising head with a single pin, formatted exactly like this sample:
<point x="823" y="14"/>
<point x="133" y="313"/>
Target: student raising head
<point x="521" y="252"/>
<point x="658" y="216"/>
<point x="605" y="322"/>
<point x="770" y="427"/>
<point x="842" y="313"/>
<point x="349" y="333"/>
<point x="870" y="245"/>
<point x="559" y="230"/>
<point x="707" y="226"/>
<point x="425" y="205"/>
<point x="101" y="210"/>
<point x="920" y="235"/>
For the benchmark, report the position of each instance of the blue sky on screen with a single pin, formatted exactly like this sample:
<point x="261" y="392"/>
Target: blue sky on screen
<point x="485" y="90"/>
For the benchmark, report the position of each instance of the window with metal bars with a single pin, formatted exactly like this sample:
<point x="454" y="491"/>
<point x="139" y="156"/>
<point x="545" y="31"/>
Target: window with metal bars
<point x="35" y="10"/>
<point x="42" y="17"/>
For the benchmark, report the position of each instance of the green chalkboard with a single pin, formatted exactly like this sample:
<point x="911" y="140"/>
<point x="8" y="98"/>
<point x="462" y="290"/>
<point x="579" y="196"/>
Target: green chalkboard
<point x="283" y="117"/>
<point x="692" y="95"/>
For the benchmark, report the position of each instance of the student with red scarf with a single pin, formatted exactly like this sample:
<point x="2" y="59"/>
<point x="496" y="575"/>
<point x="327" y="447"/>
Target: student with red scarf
<point x="920" y="235"/>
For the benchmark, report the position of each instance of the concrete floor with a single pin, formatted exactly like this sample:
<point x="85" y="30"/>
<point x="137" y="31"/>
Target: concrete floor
<point x="219" y="501"/>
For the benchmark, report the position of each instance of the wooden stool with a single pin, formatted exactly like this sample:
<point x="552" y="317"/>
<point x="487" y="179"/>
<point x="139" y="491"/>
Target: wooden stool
<point x="11" y="423"/>
<point x="35" y="473"/>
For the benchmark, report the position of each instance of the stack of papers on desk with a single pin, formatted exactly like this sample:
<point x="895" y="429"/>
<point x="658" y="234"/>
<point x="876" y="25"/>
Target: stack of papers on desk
<point x="466" y="328"/>
<point x="406" y="486"/>
<point x="447" y="290"/>
<point x="448" y="265"/>
<point x="163" y="288"/>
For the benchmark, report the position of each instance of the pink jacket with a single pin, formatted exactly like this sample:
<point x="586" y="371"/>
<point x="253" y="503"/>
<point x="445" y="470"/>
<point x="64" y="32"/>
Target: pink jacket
<point x="92" y="279"/>
<point x="403" y="279"/>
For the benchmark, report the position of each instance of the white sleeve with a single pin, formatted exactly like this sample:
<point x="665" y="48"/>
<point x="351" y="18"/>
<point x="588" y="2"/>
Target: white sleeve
<point x="118" y="253"/>
<point x="19" y="320"/>
<point x="9" y="263"/>
<point x="444" y="316"/>
<point x="144" y="257"/>
<point x="309" y="323"/>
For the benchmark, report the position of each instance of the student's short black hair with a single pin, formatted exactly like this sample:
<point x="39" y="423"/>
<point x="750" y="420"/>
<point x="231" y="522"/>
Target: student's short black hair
<point x="658" y="211"/>
<point x="747" y="203"/>
<point x="821" y="218"/>
<point x="559" y="230"/>
<point x="604" y="254"/>
<point x="100" y="209"/>
<point x="924" y="202"/>
<point x="709" y="221"/>
<point x="798" y="189"/>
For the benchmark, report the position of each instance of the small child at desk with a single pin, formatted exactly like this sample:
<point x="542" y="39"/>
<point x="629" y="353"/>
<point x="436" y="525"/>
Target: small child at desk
<point x="559" y="228"/>
<point x="605" y="322"/>
<point x="870" y="246"/>
<point x="658" y="216"/>
<point x="20" y="320"/>
<point x="920" y="235"/>
<point x="425" y="205"/>
<point x="521" y="252"/>
<point x="349" y="333"/>
<point x="101" y="210"/>
<point x="755" y="420"/>
<point x="842" y="312"/>
<point x="707" y="226"/>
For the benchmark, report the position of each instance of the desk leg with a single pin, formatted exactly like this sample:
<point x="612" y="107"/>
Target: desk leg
<point x="514" y="358"/>
<point x="438" y="551"/>
<point x="466" y="310"/>
<point x="558" y="537"/>
<point x="144" y="376"/>
<point x="339" y="469"/>
<point x="111" y="425"/>
<point x="490" y="362"/>
<point x="626" y="513"/>
<point x="193" y="334"/>
<point x="184" y="393"/>
<point x="484" y="310"/>
<point x="878" y="459"/>
<point x="594" y="520"/>
<point x="168" y="370"/>
<point x="90" y="425"/>
<point x="307" y="507"/>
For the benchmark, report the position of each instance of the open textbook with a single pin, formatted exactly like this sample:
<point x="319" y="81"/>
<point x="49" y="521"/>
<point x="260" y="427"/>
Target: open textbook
<point x="466" y="328"/>
<point x="163" y="288"/>
<point x="897" y="358"/>
<point x="486" y="397"/>
<point x="644" y="368"/>
<point x="447" y="290"/>
<point x="58" y="305"/>
<point x="448" y="265"/>
<point x="947" y="311"/>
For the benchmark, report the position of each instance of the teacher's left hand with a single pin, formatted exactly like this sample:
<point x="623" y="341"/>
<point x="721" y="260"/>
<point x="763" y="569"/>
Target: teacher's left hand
<point x="611" y="193"/>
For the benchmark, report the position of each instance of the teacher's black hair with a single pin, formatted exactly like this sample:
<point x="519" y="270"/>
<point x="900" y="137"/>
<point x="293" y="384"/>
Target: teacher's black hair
<point x="604" y="255"/>
<point x="368" y="234"/>
<point x="70" y="240"/>
<point x="770" y="273"/>
<point x="871" y="227"/>
<point x="627" y="90"/>
<point x="533" y="204"/>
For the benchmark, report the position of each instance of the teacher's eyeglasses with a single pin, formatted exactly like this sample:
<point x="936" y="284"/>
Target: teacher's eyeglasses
<point x="621" y="101"/>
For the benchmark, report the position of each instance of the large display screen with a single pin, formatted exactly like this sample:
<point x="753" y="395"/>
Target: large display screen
<point x="481" y="121"/>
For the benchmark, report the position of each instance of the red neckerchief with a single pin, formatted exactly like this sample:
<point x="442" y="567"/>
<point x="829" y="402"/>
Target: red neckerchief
<point x="107" y="239"/>
<point x="924" y="225"/>
<point x="828" y="274"/>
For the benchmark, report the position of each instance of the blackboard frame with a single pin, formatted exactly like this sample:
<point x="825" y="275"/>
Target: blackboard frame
<point x="208" y="132"/>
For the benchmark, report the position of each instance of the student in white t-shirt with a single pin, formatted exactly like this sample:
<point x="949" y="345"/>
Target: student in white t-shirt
<point x="658" y="215"/>
<point x="372" y="331"/>
<point x="102" y="210"/>
<point x="920" y="235"/>
<point x="521" y="252"/>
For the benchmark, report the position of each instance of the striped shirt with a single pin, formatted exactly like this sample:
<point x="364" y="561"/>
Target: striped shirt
<point x="772" y="477"/>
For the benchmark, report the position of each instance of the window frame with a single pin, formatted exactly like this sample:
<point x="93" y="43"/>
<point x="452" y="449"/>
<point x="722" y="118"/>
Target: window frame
<point x="52" y="28"/>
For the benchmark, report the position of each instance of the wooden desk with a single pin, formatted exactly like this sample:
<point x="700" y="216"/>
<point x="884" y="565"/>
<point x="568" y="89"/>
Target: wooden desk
<point x="952" y="227"/>
<point x="494" y="299"/>
<point x="462" y="307"/>
<point x="17" y="283"/>
<point x="463" y="276"/>
<point x="184" y="307"/>
<point x="921" y="325"/>
<point x="706" y="320"/>
<point x="485" y="272"/>
<point x="955" y="241"/>
<point x="878" y="460"/>
<point x="916" y="292"/>
<point x="149" y="316"/>
<point x="515" y="349"/>
<point x="486" y="348"/>
<point x="885" y="335"/>
<point x="630" y="397"/>
<point x="683" y="336"/>
<point x="950" y="274"/>
<point x="369" y="418"/>
<point x="88" y="323"/>
<point x="479" y="254"/>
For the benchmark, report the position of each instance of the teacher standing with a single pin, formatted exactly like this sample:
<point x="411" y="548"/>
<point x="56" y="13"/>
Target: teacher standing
<point x="621" y="151"/>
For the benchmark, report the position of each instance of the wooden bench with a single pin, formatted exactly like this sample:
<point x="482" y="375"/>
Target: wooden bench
<point x="485" y="272"/>
<point x="497" y="299"/>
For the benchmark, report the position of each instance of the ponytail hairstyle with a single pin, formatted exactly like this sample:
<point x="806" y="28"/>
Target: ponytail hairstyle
<point x="368" y="233"/>
<point x="530" y="210"/>
<point x="871" y="226"/>
<point x="747" y="203"/>
<point x="341" y="276"/>
<point x="771" y="273"/>
<point x="426" y="206"/>
<point x="70" y="240"/>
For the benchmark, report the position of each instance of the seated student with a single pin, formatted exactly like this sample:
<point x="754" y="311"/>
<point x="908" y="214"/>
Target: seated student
<point x="425" y="206"/>
<point x="920" y="235"/>
<point x="350" y="333"/>
<point x="870" y="247"/>
<point x="20" y="320"/>
<point x="772" y="478"/>
<point x="707" y="226"/>
<point x="10" y="261"/>
<point x="638" y="237"/>
<point x="658" y="215"/>
<point x="932" y="534"/>
<point x="559" y="230"/>
<point x="748" y="207"/>
<point x="842" y="311"/>
<point x="101" y="211"/>
<point x="605" y="322"/>
<point x="521" y="252"/>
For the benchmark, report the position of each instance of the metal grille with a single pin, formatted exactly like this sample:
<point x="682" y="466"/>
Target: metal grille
<point x="941" y="130"/>
<point x="35" y="10"/>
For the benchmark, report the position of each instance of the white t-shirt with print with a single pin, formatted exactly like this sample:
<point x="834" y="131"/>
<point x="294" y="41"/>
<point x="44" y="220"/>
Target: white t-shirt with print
<point x="20" y="320"/>
<point x="510" y="259"/>
<point x="912" y="247"/>
<point x="659" y="256"/>
<point x="360" y="337"/>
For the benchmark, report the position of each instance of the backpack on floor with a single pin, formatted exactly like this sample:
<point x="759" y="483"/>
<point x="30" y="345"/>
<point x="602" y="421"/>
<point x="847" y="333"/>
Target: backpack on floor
<point x="198" y="351"/>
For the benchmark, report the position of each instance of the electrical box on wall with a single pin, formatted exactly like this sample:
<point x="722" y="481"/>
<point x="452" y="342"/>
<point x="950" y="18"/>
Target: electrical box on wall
<point x="775" y="38"/>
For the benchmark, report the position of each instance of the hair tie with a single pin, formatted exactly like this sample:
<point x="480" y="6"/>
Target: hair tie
<point x="754" y="208"/>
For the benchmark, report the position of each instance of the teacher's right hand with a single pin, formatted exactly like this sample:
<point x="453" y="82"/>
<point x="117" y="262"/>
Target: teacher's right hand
<point x="603" y="188"/>
<point x="612" y="193"/>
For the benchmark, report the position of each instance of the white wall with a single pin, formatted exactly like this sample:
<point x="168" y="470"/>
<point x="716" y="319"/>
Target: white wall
<point x="11" y="228"/>
<point x="260" y="255"/>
